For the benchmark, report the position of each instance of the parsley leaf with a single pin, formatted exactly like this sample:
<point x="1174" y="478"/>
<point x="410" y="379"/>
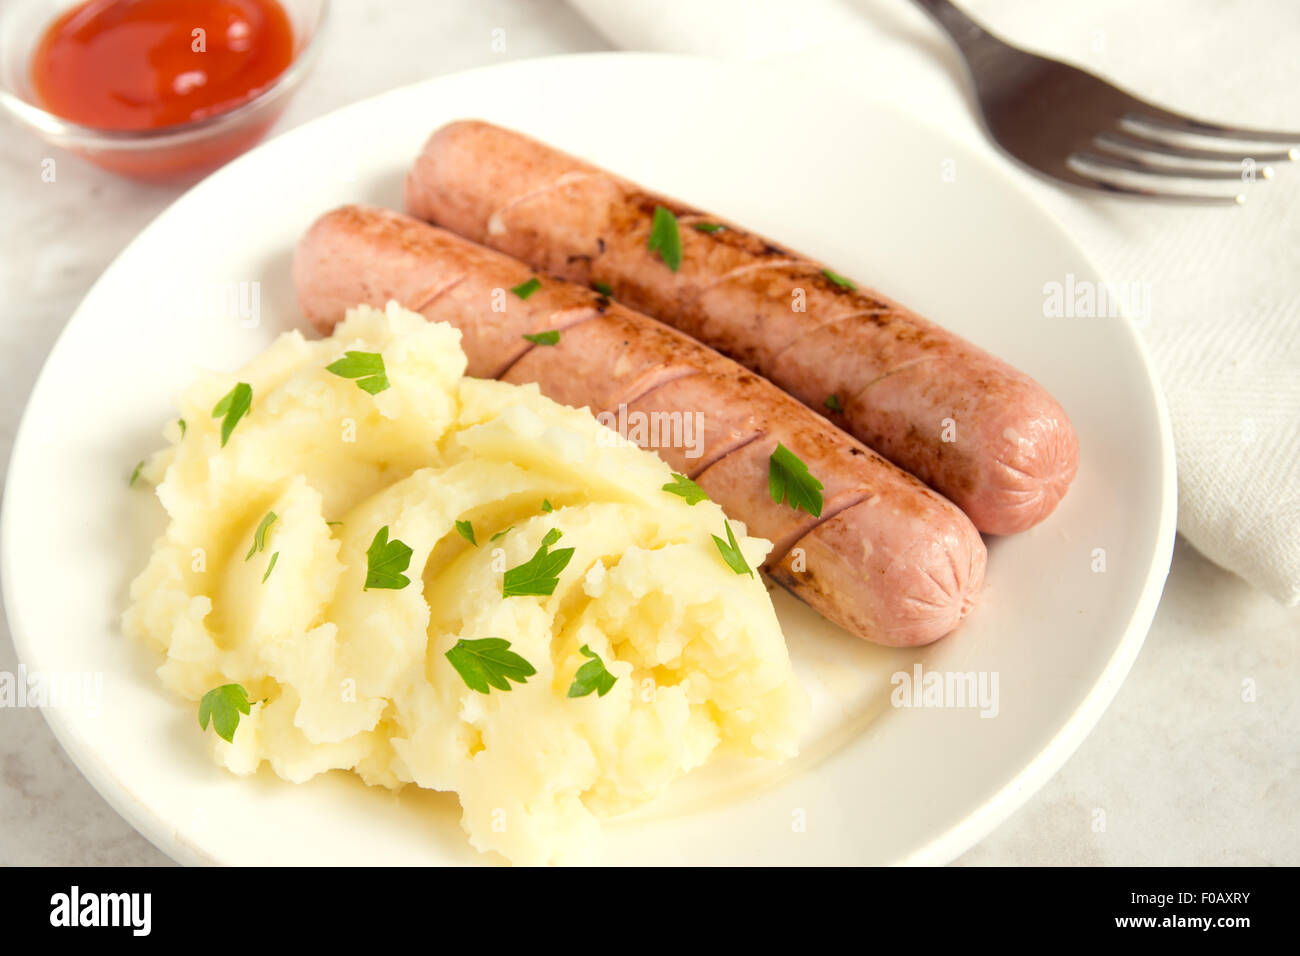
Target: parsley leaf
<point x="681" y="485"/>
<point x="591" y="676"/>
<point x="549" y="337"/>
<point x="366" y="367"/>
<point x="665" y="239"/>
<point x="489" y="662"/>
<point x="731" y="552"/>
<point x="223" y="705"/>
<point x="181" y="422"/>
<point x="833" y="403"/>
<point x="788" y="479"/>
<point x="838" y="279"/>
<point x="271" y="567"/>
<point x="525" y="289"/>
<point x="385" y="562"/>
<point x="135" y="474"/>
<point x="604" y="288"/>
<point x="547" y="507"/>
<point x="539" y="574"/>
<point x="709" y="227"/>
<point x="259" y="536"/>
<point x="466" y="530"/>
<point x="502" y="533"/>
<point x="234" y="406"/>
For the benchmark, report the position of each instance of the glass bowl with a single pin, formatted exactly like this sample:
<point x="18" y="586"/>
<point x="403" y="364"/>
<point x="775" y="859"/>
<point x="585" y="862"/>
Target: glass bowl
<point x="169" y="153"/>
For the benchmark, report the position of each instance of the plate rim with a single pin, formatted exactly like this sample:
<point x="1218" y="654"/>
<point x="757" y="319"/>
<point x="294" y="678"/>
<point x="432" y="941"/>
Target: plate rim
<point x="944" y="847"/>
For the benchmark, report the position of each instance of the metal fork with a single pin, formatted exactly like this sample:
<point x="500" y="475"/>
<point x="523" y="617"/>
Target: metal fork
<point x="1077" y="128"/>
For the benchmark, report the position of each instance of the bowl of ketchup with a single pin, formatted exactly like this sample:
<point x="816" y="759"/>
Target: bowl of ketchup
<point x="158" y="90"/>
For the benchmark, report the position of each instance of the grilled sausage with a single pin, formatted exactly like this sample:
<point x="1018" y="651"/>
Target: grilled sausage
<point x="968" y="424"/>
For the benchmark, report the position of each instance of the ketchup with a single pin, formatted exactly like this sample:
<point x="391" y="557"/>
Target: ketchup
<point x="145" y="64"/>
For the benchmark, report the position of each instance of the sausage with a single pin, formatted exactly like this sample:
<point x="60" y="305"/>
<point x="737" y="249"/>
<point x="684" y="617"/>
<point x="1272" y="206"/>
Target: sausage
<point x="888" y="559"/>
<point x="968" y="424"/>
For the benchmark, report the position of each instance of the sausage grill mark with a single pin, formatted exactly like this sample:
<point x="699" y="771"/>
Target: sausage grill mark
<point x="651" y="383"/>
<point x="568" y="179"/>
<point x="832" y="320"/>
<point x="708" y="461"/>
<point x="555" y="322"/>
<point x="746" y="269"/>
<point x="921" y="360"/>
<point x="426" y="299"/>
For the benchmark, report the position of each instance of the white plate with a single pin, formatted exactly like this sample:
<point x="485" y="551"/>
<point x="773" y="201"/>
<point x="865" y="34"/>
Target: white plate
<point x="851" y="182"/>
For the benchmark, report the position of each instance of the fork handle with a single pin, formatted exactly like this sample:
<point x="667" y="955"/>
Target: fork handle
<point x="965" y="32"/>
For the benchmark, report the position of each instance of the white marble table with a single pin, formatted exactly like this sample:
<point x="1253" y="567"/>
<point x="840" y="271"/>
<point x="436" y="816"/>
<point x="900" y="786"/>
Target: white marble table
<point x="1185" y="771"/>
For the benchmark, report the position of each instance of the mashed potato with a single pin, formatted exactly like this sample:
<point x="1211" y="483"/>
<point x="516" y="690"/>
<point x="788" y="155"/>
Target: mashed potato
<point x="346" y="676"/>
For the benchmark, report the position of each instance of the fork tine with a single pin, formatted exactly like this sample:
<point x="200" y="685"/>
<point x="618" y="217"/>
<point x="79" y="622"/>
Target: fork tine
<point x="1138" y="143"/>
<point x="1154" y="169"/>
<point x="1161" y="119"/>
<point x="1087" y="177"/>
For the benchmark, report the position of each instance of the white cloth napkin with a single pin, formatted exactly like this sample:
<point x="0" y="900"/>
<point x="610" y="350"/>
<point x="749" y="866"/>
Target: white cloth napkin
<point x="1224" y="328"/>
